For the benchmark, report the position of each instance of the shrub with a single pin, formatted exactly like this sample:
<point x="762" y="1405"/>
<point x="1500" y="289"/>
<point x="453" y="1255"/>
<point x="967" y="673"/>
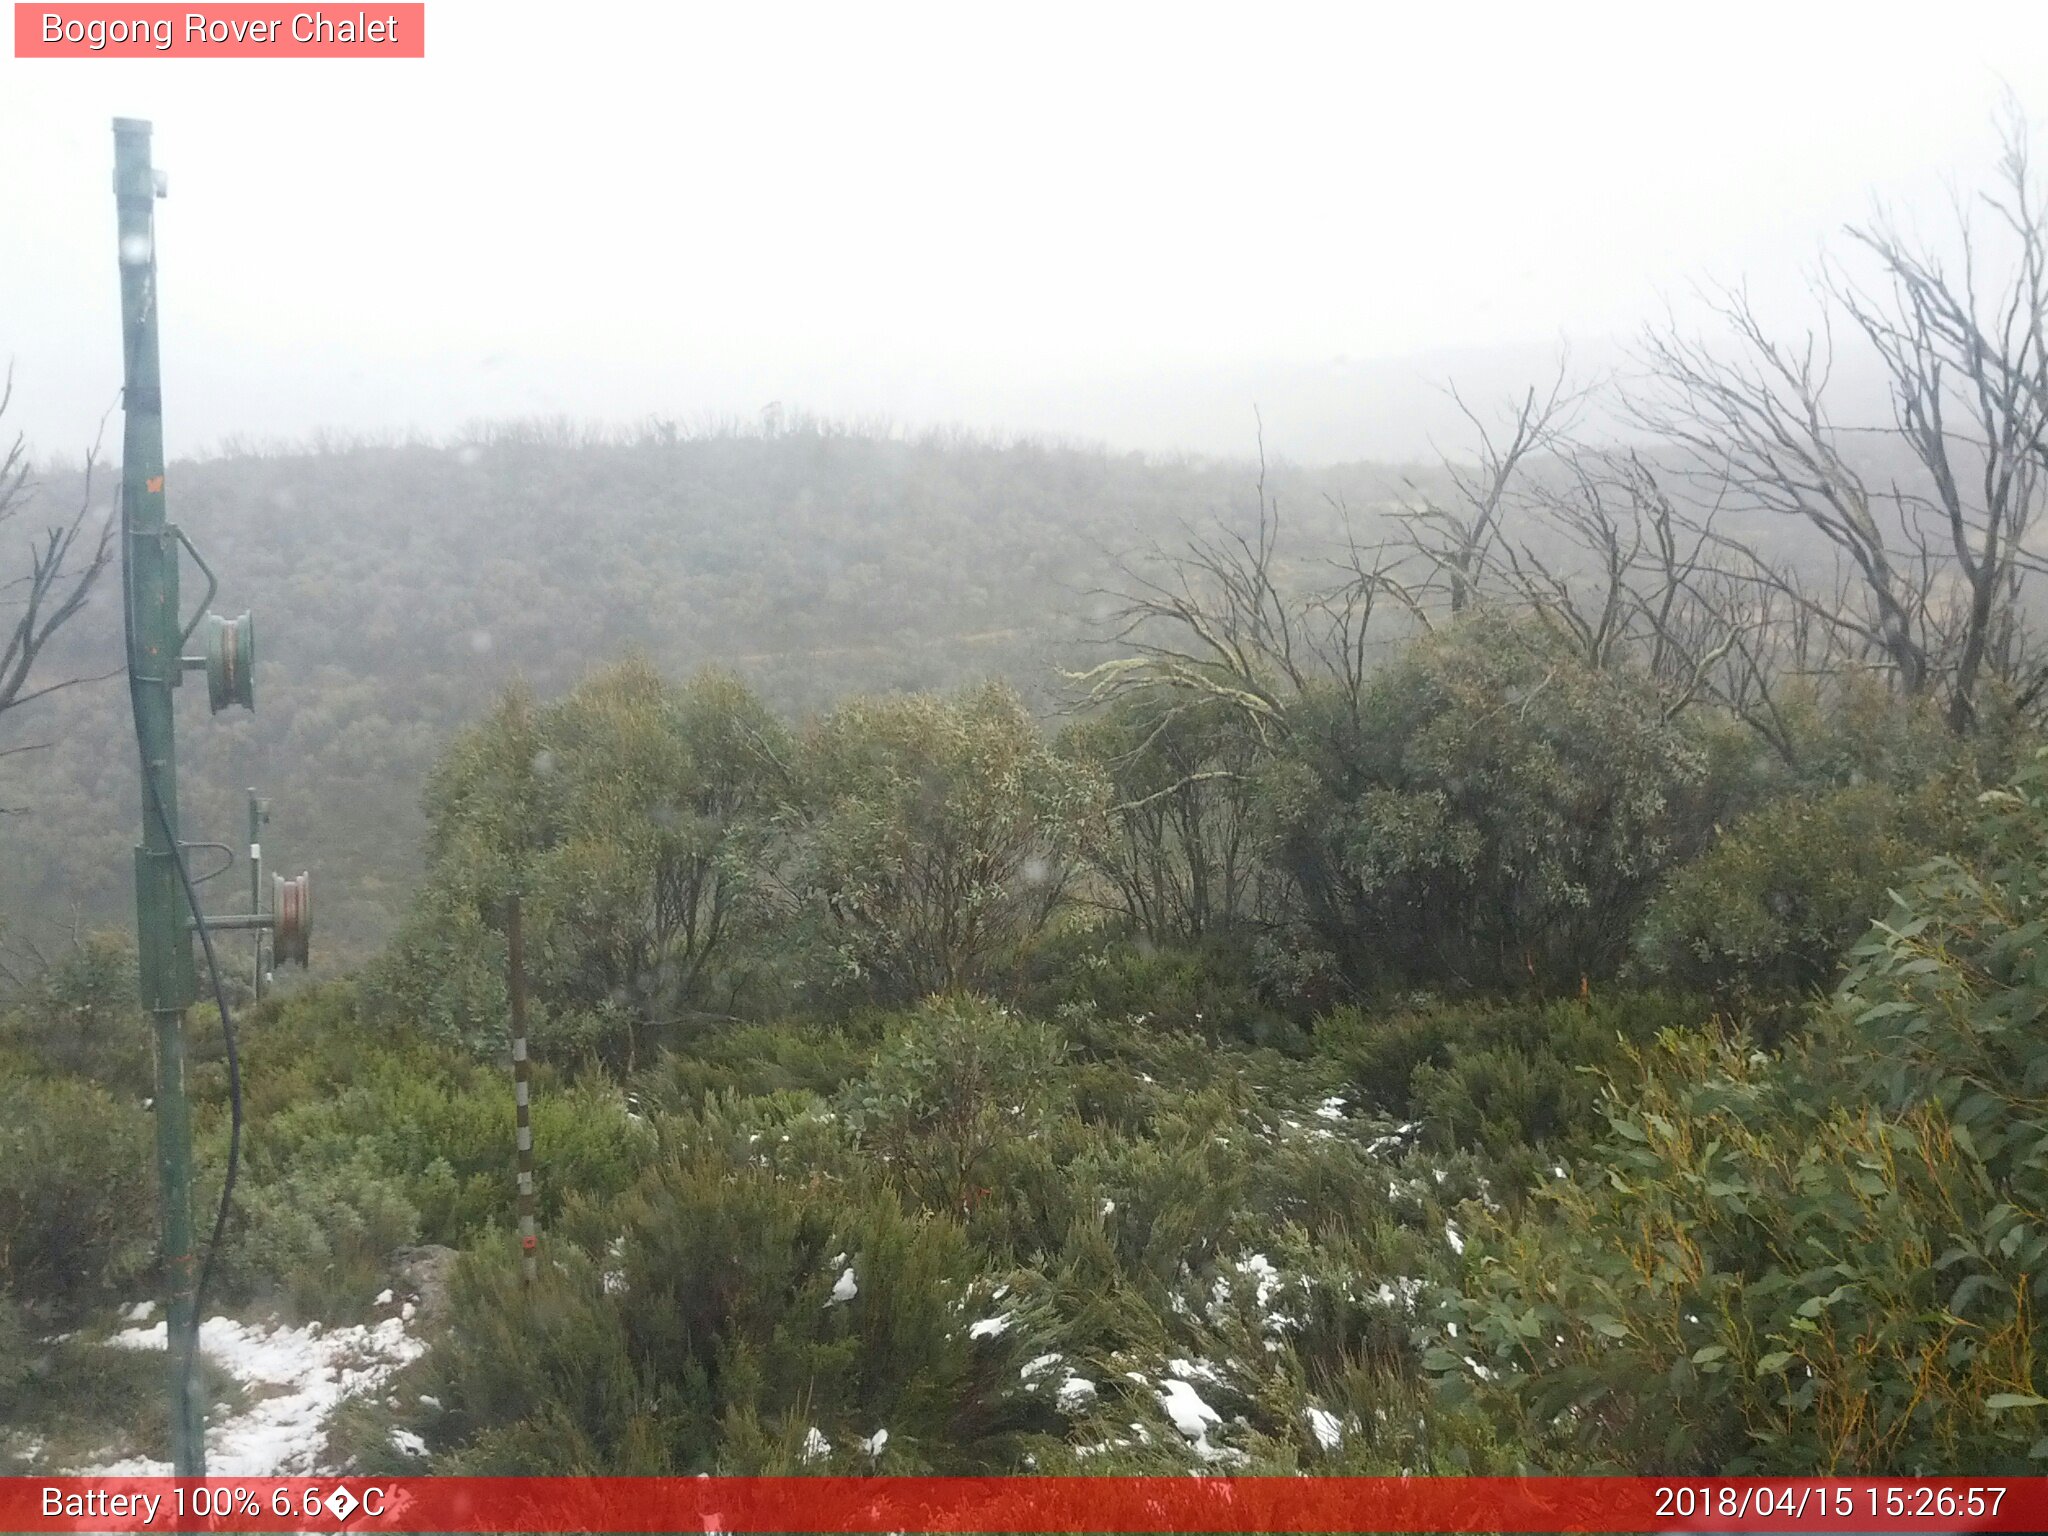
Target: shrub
<point x="1500" y="1078"/>
<point x="1487" y="811"/>
<point x="1825" y="1264"/>
<point x="950" y="1083"/>
<point x="77" y="1204"/>
<point x="447" y="1144"/>
<point x="717" y="1343"/>
<point x="361" y="1139"/>
<point x="318" y="1239"/>
<point x="1202" y="990"/>
<point x="81" y="1016"/>
<point x="1769" y="911"/>
<point x="633" y="816"/>
<point x="933" y="840"/>
<point x="757" y="1059"/>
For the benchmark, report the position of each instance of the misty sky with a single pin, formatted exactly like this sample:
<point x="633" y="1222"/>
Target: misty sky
<point x="1118" y="222"/>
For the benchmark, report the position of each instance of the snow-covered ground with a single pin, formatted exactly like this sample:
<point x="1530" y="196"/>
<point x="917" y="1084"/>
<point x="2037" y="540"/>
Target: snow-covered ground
<point x="292" y="1378"/>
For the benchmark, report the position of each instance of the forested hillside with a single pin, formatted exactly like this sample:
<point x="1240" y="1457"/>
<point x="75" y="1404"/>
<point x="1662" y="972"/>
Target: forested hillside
<point x="396" y="588"/>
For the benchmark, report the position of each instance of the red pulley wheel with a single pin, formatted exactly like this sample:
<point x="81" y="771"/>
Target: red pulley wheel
<point x="292" y="909"/>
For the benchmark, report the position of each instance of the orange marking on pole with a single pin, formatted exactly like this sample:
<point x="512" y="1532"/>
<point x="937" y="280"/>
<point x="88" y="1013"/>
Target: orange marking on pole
<point x="154" y="483"/>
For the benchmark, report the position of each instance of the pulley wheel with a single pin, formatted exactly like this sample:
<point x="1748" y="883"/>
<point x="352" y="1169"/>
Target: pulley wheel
<point x="292" y="909"/>
<point x="230" y="662"/>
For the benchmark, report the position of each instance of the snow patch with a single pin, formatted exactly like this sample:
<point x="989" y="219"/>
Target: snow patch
<point x="1401" y="1291"/>
<point x="1268" y="1277"/>
<point x="301" y="1375"/>
<point x="991" y="1327"/>
<point x="1193" y="1418"/>
<point x="613" y="1276"/>
<point x="1076" y="1394"/>
<point x="1394" y="1140"/>
<point x="1329" y="1432"/>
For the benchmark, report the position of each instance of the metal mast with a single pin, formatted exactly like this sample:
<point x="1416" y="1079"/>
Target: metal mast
<point x="155" y="664"/>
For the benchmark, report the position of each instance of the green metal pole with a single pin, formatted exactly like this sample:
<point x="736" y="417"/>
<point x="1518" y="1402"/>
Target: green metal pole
<point x="164" y="943"/>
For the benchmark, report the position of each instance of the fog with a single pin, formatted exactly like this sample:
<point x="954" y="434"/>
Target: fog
<point x="1131" y="228"/>
<point x="1015" y="955"/>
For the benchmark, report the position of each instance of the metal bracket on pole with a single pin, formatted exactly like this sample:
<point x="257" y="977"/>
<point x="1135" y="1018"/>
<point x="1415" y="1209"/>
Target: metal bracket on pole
<point x="289" y="920"/>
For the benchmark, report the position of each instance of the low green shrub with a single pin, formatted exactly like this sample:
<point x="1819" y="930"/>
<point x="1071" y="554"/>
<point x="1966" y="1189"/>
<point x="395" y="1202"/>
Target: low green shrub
<point x="1502" y="1077"/>
<point x="950" y="1084"/>
<point x="1206" y="991"/>
<point x="78" y="1199"/>
<point x="1824" y="1263"/>
<point x="83" y="1016"/>
<point x="1768" y="912"/>
<point x="759" y="1059"/>
<point x="736" y="1313"/>
<point x="316" y="1241"/>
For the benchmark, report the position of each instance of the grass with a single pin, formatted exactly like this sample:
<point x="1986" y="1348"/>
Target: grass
<point x="76" y="1401"/>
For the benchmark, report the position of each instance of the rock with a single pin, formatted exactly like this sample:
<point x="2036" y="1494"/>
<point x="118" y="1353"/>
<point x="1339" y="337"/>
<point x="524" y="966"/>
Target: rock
<point x="424" y="1273"/>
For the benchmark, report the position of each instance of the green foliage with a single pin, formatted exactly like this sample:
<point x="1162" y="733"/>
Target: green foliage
<point x="316" y="1240"/>
<point x="359" y="1143"/>
<point x="633" y="818"/>
<point x="1180" y="858"/>
<point x="716" y="1341"/>
<point x="77" y="1205"/>
<point x="757" y="1060"/>
<point x="762" y="1280"/>
<point x="935" y="838"/>
<point x="948" y="1085"/>
<point x="1830" y="1263"/>
<point x="1849" y="731"/>
<point x="1503" y="1078"/>
<point x="1210" y="990"/>
<point x="1756" y="1285"/>
<point x="448" y="1142"/>
<point x="1771" y="908"/>
<point x="1488" y="811"/>
<point x="82" y="1015"/>
<point x="678" y="856"/>
<point x="444" y="976"/>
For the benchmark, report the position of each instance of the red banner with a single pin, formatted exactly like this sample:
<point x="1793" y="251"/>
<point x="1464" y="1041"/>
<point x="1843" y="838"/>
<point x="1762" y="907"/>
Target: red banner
<point x="1110" y="1504"/>
<point x="227" y="31"/>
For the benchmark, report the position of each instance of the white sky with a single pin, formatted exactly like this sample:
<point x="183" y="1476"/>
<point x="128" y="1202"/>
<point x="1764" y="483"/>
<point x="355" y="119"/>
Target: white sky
<point x="1114" y="221"/>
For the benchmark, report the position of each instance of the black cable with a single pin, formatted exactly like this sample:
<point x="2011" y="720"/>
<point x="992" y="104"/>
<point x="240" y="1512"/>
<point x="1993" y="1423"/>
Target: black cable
<point x="227" y="1024"/>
